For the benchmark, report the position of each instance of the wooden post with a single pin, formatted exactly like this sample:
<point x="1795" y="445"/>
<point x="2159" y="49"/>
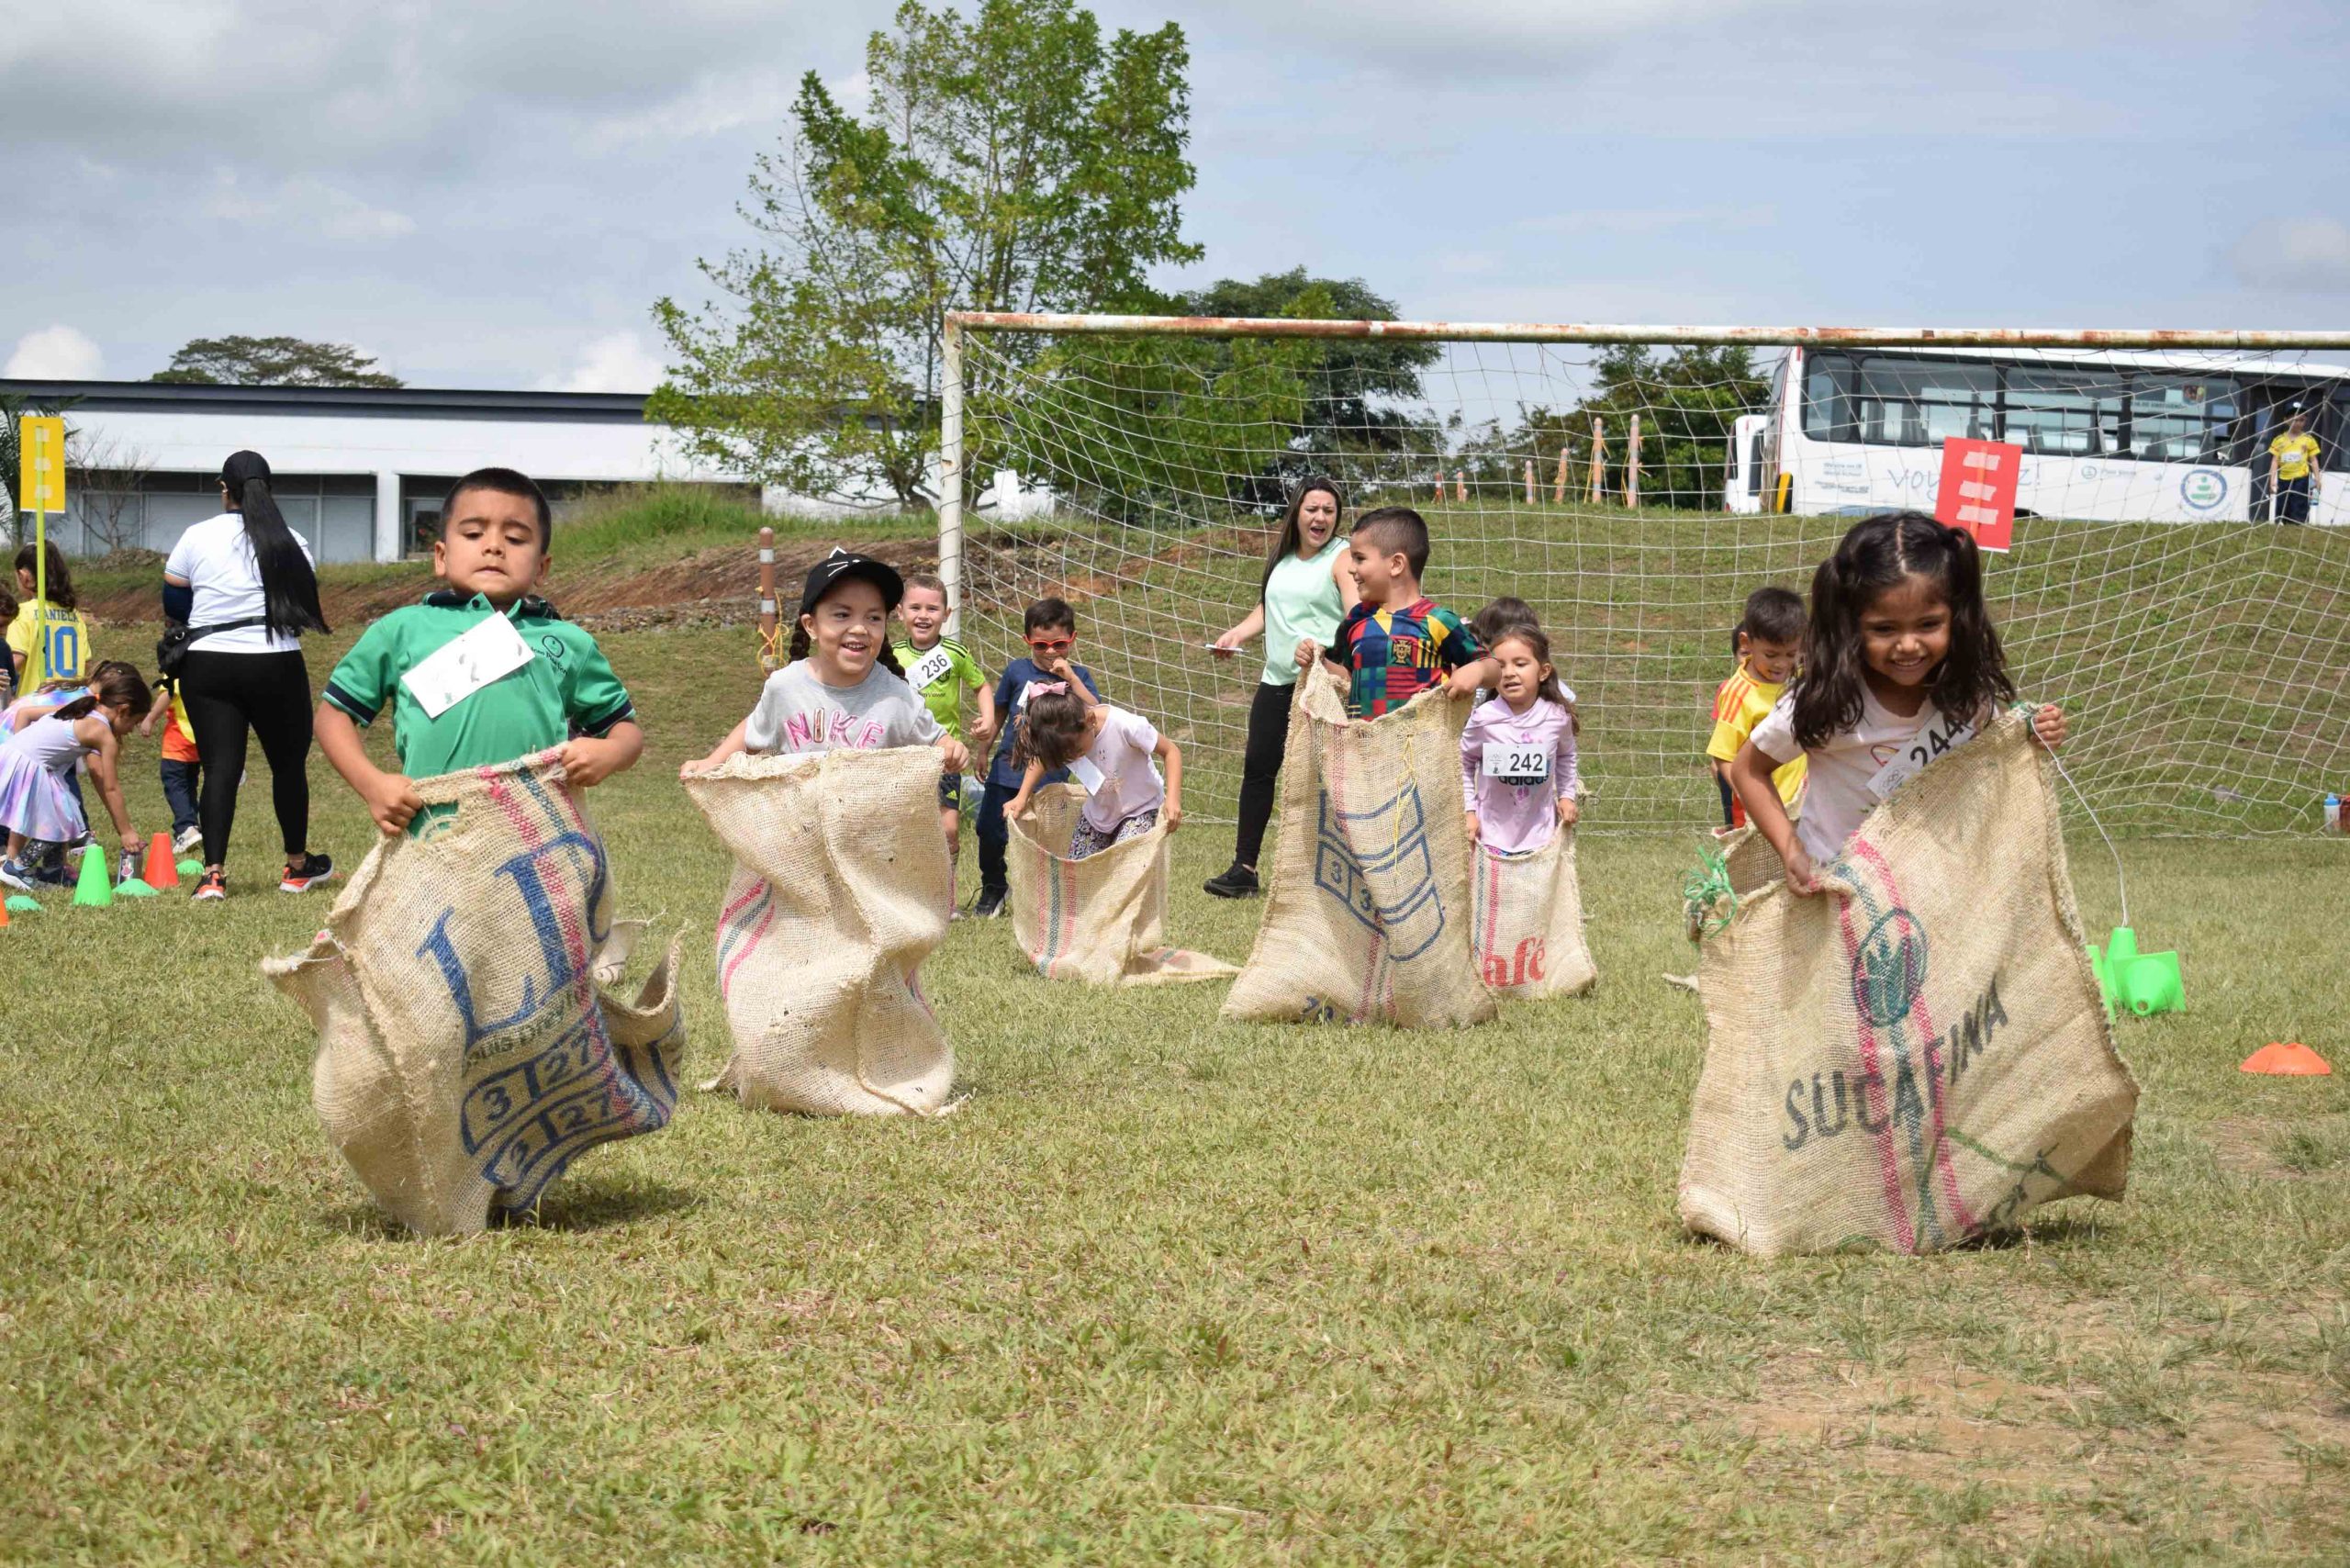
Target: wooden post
<point x="1529" y="481"/>
<point x="769" y="659"/>
<point x="1438" y="497"/>
<point x="1598" y="456"/>
<point x="1460" y="484"/>
<point x="1559" y="487"/>
<point x="1632" y="467"/>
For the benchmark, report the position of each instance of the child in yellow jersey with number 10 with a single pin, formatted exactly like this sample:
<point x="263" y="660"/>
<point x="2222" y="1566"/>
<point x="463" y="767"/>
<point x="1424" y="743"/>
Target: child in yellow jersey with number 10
<point x="1768" y="642"/>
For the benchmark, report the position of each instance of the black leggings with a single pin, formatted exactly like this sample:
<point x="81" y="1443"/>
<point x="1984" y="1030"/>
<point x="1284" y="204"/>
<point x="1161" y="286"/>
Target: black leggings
<point x="1260" y="767"/>
<point x="270" y="694"/>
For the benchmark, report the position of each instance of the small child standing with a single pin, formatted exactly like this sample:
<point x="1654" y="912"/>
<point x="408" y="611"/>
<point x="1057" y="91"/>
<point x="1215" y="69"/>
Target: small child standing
<point x="560" y="692"/>
<point x="1109" y="750"/>
<point x="1397" y="642"/>
<point x="1767" y="642"/>
<point x="49" y="641"/>
<point x="1517" y="751"/>
<point x="1050" y="627"/>
<point x="1900" y="665"/>
<point x="941" y="669"/>
<point x="7" y="666"/>
<point x="182" y="769"/>
<point x="38" y="801"/>
<point x="842" y="689"/>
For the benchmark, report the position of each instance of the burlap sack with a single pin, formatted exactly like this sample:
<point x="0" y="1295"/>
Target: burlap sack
<point x="466" y="1052"/>
<point x="1526" y="920"/>
<point x="1366" y="917"/>
<point x="1924" y="1060"/>
<point x="1102" y="920"/>
<point x="839" y="891"/>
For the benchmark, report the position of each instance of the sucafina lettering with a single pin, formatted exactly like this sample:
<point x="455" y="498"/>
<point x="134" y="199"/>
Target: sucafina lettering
<point x="1834" y="1099"/>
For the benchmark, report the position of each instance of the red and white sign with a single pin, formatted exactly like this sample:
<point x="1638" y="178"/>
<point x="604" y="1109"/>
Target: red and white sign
<point x="1978" y="490"/>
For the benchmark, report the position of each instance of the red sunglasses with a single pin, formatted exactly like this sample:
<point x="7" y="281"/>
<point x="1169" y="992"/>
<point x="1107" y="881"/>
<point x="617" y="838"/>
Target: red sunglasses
<point x="1052" y="645"/>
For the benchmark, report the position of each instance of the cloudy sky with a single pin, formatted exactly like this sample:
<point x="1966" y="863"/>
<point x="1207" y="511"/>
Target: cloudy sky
<point x="492" y="194"/>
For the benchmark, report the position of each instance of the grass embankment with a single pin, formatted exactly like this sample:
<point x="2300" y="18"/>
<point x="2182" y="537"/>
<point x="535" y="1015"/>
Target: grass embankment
<point x="1165" y="1289"/>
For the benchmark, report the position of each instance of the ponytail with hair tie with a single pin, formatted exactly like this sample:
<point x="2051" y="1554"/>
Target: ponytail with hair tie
<point x="289" y="585"/>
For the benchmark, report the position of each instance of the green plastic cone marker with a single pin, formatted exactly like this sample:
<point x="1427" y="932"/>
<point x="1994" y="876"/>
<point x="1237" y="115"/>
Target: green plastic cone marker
<point x="191" y="867"/>
<point x="24" y="904"/>
<point x="93" y="886"/>
<point x="2144" y="983"/>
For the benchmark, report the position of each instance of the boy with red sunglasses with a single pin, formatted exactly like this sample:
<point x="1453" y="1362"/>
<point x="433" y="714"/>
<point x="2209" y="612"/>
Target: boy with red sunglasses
<point x="1050" y="627"/>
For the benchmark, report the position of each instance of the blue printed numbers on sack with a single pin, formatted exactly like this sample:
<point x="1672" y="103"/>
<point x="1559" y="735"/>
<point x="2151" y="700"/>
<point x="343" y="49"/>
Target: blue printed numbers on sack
<point x="1389" y="841"/>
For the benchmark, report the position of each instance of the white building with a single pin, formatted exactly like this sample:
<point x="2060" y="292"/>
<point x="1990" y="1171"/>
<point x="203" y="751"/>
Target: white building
<point x="360" y="471"/>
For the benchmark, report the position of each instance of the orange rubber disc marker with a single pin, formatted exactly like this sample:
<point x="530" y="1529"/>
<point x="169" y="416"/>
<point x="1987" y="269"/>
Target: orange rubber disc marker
<point x="2289" y="1059"/>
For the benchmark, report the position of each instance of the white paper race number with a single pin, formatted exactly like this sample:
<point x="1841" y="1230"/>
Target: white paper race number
<point x="1515" y="763"/>
<point x="465" y="664"/>
<point x="1086" y="773"/>
<point x="1928" y="744"/>
<point x="931" y="668"/>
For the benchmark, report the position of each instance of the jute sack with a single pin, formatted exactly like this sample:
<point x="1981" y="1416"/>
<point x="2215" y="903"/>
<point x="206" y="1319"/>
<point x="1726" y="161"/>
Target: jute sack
<point x="1526" y="920"/>
<point x="839" y="891"/>
<point x="1367" y="915"/>
<point x="1924" y="1060"/>
<point x="466" y="1049"/>
<point x="1102" y="920"/>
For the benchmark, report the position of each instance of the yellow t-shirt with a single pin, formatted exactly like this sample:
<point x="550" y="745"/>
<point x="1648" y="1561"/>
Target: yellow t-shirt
<point x="64" y="650"/>
<point x="1741" y="703"/>
<point x="2293" y="454"/>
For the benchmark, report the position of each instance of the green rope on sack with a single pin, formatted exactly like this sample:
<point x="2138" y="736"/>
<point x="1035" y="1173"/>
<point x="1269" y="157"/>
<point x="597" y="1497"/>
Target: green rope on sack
<point x="1708" y="904"/>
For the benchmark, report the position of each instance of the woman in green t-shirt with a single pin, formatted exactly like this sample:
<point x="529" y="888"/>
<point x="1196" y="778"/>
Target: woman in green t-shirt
<point x="1305" y="592"/>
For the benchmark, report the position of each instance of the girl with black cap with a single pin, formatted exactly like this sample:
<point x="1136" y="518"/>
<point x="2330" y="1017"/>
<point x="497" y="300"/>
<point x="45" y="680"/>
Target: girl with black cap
<point x="243" y="585"/>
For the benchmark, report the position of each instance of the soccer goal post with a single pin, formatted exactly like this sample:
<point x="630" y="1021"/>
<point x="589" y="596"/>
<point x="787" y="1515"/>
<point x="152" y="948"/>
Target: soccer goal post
<point x="2179" y="579"/>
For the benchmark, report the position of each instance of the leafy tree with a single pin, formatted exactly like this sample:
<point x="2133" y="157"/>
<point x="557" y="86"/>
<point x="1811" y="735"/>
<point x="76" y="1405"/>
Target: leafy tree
<point x="1347" y="377"/>
<point x="1014" y="161"/>
<point x="272" y="361"/>
<point x="1688" y="402"/>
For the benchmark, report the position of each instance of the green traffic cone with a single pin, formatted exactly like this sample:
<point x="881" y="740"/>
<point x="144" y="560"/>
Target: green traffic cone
<point x="93" y="886"/>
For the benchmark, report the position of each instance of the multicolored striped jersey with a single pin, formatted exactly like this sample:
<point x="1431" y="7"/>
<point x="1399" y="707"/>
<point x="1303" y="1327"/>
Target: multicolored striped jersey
<point x="1393" y="656"/>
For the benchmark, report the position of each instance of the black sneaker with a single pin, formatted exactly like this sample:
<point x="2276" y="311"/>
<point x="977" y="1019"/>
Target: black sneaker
<point x="314" y="869"/>
<point x="990" y="903"/>
<point x="1237" y="883"/>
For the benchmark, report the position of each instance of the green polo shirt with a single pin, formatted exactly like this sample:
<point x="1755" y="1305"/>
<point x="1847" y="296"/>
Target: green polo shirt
<point x="567" y="687"/>
<point x="943" y="695"/>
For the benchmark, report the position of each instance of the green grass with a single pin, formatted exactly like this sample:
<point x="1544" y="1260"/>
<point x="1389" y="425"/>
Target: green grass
<point x="1165" y="1289"/>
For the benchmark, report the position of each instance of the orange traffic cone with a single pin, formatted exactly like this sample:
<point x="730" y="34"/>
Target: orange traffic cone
<point x="2289" y="1059"/>
<point x="4" y="912"/>
<point x="160" y="871"/>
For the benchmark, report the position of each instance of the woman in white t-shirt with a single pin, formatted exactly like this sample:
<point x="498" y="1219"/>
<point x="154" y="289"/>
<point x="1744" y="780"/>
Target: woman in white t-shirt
<point x="243" y="583"/>
<point x="1900" y="664"/>
<point x="1109" y="751"/>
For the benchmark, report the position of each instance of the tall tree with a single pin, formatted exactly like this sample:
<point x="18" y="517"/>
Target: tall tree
<point x="1014" y="161"/>
<point x="272" y="361"/>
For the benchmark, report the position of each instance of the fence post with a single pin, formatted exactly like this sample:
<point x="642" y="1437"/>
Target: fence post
<point x="1633" y="465"/>
<point x="1559" y="488"/>
<point x="1598" y="455"/>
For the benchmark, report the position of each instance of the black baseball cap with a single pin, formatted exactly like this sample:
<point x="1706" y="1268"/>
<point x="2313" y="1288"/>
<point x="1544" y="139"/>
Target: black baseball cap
<point x="841" y="564"/>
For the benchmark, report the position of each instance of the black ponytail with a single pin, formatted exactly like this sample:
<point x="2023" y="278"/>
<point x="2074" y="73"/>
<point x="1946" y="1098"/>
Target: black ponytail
<point x="289" y="586"/>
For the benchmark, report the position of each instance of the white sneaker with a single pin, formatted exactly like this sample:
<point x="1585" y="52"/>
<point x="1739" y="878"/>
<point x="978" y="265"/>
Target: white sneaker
<point x="191" y="838"/>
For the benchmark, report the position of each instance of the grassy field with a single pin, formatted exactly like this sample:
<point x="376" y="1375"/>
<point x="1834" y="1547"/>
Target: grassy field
<point x="1164" y="1289"/>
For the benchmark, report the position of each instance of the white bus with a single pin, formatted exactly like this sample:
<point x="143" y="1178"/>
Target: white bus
<point x="2107" y="435"/>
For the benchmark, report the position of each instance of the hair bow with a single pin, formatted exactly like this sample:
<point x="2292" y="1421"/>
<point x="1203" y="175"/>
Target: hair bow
<point x="1049" y="687"/>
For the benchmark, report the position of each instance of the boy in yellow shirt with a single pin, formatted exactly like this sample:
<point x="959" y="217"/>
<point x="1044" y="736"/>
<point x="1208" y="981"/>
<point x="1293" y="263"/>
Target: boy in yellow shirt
<point x="1769" y="642"/>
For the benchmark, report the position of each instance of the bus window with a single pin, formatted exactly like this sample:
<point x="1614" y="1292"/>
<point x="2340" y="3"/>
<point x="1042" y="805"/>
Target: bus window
<point x="2064" y="413"/>
<point x="2180" y="419"/>
<point x="1827" y="398"/>
<point x="1908" y="402"/>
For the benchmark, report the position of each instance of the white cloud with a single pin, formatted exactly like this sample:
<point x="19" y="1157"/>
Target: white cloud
<point x="54" y="353"/>
<point x="2306" y="255"/>
<point x="617" y="361"/>
<point x="302" y="207"/>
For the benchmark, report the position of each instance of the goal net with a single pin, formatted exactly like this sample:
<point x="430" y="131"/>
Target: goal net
<point x="1634" y="485"/>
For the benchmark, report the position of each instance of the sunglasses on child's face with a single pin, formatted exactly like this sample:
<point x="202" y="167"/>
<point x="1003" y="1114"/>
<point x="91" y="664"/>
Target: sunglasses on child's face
<point x="1052" y="645"/>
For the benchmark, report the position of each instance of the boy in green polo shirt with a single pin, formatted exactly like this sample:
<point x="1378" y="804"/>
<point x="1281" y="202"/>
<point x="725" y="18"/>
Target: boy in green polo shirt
<point x="506" y="691"/>
<point x="939" y="668"/>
